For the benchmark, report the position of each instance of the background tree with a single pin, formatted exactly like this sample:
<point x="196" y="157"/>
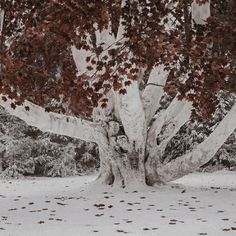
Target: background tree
<point x="110" y="64"/>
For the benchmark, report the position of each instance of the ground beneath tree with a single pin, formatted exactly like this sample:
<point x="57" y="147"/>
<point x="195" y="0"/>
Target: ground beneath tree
<point x="198" y="204"/>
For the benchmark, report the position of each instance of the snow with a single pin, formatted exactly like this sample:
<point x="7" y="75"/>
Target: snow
<point x="223" y="178"/>
<point x="198" y="204"/>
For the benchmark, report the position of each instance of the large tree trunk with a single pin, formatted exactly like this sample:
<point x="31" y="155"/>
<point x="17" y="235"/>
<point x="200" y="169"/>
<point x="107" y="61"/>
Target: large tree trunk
<point x="122" y="161"/>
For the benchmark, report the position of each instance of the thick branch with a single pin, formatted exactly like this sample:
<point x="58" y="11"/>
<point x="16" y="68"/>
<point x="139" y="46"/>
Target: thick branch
<point x="175" y="124"/>
<point x="203" y="152"/>
<point x="132" y="114"/>
<point x="152" y="94"/>
<point x="53" y="122"/>
<point x="177" y="107"/>
<point x="176" y="115"/>
<point x="130" y="106"/>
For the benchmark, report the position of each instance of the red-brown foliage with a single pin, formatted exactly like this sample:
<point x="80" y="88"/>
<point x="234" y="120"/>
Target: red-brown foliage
<point x="38" y="64"/>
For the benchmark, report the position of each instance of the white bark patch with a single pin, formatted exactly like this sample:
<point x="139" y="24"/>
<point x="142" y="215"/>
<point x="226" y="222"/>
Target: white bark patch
<point x="113" y="128"/>
<point x="105" y="37"/>
<point x="121" y="29"/>
<point x="200" y="13"/>
<point x="104" y="114"/>
<point x="123" y="142"/>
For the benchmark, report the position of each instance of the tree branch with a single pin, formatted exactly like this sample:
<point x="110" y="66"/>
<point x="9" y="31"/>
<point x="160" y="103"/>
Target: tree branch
<point x="152" y="94"/>
<point x="174" y="117"/>
<point x="200" y="13"/>
<point x="53" y="122"/>
<point x="2" y="13"/>
<point x="132" y="115"/>
<point x="158" y="85"/>
<point x="203" y="152"/>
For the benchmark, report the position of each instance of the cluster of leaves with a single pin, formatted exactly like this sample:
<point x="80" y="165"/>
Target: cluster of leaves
<point x="37" y="62"/>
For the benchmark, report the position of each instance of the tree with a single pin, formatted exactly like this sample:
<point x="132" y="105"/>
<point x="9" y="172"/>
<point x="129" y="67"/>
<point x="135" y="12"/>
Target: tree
<point x="97" y="71"/>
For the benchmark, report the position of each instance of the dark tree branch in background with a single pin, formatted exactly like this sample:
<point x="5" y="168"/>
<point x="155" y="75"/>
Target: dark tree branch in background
<point x="154" y="84"/>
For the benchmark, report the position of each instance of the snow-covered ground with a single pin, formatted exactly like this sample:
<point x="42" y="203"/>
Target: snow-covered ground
<point x="198" y="204"/>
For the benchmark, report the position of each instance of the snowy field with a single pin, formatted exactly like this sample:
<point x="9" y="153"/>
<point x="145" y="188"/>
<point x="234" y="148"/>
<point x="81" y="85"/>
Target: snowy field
<point x="198" y="204"/>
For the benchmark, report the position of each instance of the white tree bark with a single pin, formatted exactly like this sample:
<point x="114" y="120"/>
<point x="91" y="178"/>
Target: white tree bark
<point x="132" y="114"/>
<point x="200" y="13"/>
<point x="152" y="94"/>
<point x="79" y="57"/>
<point x="182" y="115"/>
<point x="203" y="152"/>
<point x="130" y="107"/>
<point x="177" y="107"/>
<point x="172" y="119"/>
<point x="2" y="13"/>
<point x="55" y="123"/>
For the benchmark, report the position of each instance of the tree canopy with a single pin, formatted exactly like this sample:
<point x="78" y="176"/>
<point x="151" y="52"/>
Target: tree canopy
<point x="38" y="36"/>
